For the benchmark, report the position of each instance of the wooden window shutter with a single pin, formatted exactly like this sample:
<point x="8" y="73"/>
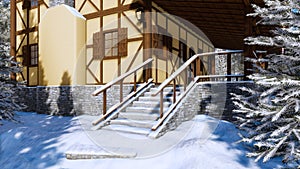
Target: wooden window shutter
<point x="155" y="37"/>
<point x="168" y="43"/>
<point x="98" y="47"/>
<point x="158" y="41"/>
<point x="25" y="55"/>
<point x="123" y="42"/>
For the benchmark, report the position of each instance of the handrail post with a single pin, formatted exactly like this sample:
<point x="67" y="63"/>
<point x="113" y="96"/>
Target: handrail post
<point x="104" y="102"/>
<point x="134" y="81"/>
<point x="161" y="103"/>
<point x="229" y="66"/>
<point x="186" y="78"/>
<point x="121" y="91"/>
<point x="174" y="91"/>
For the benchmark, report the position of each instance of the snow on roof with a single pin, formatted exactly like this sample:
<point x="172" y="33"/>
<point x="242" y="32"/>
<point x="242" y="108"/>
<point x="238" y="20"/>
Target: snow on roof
<point x="74" y="11"/>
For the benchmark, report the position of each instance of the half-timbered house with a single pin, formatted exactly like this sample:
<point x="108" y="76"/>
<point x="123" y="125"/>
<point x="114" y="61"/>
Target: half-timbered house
<point x="94" y="41"/>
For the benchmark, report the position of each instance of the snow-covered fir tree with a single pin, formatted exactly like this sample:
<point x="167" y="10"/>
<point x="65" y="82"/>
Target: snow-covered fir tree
<point x="8" y="66"/>
<point x="270" y="112"/>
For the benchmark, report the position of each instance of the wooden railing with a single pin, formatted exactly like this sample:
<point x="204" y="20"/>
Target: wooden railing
<point x="184" y="69"/>
<point x="120" y="80"/>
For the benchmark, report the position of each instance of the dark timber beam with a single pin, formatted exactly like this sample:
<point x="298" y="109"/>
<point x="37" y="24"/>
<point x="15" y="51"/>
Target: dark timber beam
<point x="13" y="28"/>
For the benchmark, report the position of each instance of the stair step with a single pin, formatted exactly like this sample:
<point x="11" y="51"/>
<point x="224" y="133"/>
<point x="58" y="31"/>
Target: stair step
<point x="149" y="104"/>
<point x="128" y="129"/>
<point x="156" y="98"/>
<point x="139" y="116"/>
<point x="165" y="94"/>
<point x="133" y="123"/>
<point x="167" y="89"/>
<point x="151" y="110"/>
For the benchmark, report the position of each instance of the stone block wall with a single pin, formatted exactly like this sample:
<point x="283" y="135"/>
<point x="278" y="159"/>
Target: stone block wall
<point x="69" y="100"/>
<point x="27" y="97"/>
<point x="210" y="98"/>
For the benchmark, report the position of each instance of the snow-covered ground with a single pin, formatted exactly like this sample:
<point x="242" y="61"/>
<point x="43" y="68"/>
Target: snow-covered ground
<point x="41" y="141"/>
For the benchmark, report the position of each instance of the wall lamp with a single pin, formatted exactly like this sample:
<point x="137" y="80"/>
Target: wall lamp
<point x="140" y="14"/>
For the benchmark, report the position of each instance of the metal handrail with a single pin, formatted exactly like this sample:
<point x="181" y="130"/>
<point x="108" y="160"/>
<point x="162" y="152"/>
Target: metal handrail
<point x="183" y="68"/>
<point x="120" y="79"/>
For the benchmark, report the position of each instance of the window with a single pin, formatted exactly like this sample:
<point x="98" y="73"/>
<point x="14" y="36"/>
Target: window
<point x="34" y="3"/>
<point x="30" y="55"/>
<point x="34" y="54"/>
<point x="183" y="51"/>
<point x="110" y="44"/>
<point x="27" y="4"/>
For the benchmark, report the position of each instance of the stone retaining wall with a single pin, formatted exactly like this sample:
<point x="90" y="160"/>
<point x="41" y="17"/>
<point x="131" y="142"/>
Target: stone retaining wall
<point x="69" y="100"/>
<point x="210" y="98"/>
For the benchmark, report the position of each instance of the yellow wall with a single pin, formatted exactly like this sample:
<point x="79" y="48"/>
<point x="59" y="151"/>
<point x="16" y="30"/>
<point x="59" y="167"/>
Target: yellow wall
<point x="63" y="38"/>
<point x="21" y="22"/>
<point x="110" y="66"/>
<point x="192" y="37"/>
<point x="62" y="47"/>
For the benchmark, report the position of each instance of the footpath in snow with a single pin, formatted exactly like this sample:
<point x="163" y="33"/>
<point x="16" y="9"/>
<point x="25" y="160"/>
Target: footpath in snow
<point x="42" y="141"/>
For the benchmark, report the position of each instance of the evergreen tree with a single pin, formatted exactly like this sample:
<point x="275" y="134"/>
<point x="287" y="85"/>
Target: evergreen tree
<point x="8" y="101"/>
<point x="270" y="112"/>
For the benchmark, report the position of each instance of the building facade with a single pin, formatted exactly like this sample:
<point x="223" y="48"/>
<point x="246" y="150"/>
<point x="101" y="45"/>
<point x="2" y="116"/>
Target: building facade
<point x="94" y="41"/>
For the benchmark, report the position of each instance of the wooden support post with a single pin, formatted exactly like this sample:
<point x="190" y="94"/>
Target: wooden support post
<point x="161" y="104"/>
<point x="248" y="49"/>
<point x="185" y="78"/>
<point x="174" y="91"/>
<point x="147" y="41"/>
<point x="28" y="46"/>
<point x="134" y="81"/>
<point x="13" y="29"/>
<point x="104" y="102"/>
<point x="121" y="91"/>
<point x="228" y="66"/>
<point x="212" y="65"/>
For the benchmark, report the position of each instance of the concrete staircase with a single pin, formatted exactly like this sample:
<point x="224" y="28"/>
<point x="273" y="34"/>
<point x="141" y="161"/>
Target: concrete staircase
<point x="142" y="114"/>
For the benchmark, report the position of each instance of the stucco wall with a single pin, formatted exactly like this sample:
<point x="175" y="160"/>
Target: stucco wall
<point x="62" y="47"/>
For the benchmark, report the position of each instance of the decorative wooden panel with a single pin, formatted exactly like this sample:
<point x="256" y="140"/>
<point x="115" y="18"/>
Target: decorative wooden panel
<point x="123" y="42"/>
<point x="98" y="49"/>
<point x="25" y="55"/>
<point x="168" y="41"/>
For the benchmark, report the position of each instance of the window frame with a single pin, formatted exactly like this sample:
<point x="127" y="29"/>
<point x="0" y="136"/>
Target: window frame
<point x="113" y="45"/>
<point x="36" y="57"/>
<point x="183" y="51"/>
<point x="120" y="44"/>
<point x="28" y="57"/>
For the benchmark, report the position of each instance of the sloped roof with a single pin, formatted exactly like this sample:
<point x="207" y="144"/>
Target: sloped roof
<point x="223" y="21"/>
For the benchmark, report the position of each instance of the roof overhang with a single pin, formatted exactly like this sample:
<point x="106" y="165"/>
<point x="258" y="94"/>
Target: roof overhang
<point x="223" y="21"/>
